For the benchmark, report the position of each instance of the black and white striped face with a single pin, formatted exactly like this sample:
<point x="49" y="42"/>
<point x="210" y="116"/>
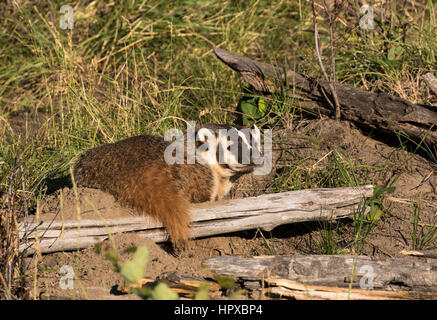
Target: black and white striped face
<point x="234" y="148"/>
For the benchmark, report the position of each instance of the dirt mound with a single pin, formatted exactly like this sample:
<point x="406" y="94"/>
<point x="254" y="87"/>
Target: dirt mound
<point x="89" y="204"/>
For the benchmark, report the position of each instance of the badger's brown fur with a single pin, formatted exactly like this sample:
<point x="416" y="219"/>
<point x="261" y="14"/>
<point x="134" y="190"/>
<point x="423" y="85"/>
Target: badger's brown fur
<point x="135" y="173"/>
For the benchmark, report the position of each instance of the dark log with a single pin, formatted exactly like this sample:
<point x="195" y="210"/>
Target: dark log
<point x="379" y="111"/>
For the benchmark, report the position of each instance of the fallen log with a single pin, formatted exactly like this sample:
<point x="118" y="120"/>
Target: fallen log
<point x="379" y="111"/>
<point x="334" y="276"/>
<point x="212" y="218"/>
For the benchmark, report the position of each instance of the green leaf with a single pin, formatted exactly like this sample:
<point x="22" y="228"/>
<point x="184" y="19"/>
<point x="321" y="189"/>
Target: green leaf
<point x="111" y="256"/>
<point x="133" y="270"/>
<point x="380" y="190"/>
<point x="202" y="292"/>
<point x="262" y="106"/>
<point x="225" y="282"/>
<point x="375" y="214"/>
<point x="249" y="110"/>
<point x="98" y="248"/>
<point x="130" y="249"/>
<point x="395" y="53"/>
<point x="237" y="293"/>
<point x="143" y="292"/>
<point x="163" y="292"/>
<point x="252" y="109"/>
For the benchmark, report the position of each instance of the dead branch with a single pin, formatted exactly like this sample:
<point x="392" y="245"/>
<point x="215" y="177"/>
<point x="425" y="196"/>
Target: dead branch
<point x="379" y="111"/>
<point x="331" y="80"/>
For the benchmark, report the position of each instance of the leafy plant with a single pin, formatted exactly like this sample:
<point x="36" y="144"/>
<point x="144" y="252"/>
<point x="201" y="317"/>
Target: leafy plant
<point x="423" y="235"/>
<point x="252" y="108"/>
<point x="375" y="203"/>
<point x="133" y="271"/>
<point x="228" y="286"/>
<point x="202" y="292"/>
<point x="368" y="215"/>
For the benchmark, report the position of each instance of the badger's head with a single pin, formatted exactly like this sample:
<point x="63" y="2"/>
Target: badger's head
<point x="234" y="149"/>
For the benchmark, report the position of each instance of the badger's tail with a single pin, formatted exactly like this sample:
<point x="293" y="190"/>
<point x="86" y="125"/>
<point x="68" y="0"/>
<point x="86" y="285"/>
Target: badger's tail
<point x="151" y="191"/>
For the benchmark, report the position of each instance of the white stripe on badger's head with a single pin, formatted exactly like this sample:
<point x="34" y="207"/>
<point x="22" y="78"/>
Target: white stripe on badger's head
<point x="245" y="139"/>
<point x="230" y="147"/>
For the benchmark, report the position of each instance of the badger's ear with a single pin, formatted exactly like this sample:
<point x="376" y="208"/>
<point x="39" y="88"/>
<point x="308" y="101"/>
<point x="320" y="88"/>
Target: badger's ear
<point x="203" y="134"/>
<point x="206" y="138"/>
<point x="244" y="134"/>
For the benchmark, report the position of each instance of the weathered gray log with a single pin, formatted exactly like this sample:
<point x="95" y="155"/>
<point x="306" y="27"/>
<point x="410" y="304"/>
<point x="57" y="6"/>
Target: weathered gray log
<point x="382" y="112"/>
<point x="212" y="218"/>
<point x="413" y="278"/>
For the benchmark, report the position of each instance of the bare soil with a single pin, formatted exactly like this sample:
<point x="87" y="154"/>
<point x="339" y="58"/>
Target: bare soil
<point x="374" y="161"/>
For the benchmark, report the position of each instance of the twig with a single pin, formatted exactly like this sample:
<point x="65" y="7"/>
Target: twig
<point x="331" y="80"/>
<point x="23" y="184"/>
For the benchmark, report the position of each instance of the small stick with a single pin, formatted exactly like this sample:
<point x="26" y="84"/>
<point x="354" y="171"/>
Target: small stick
<point x="330" y="80"/>
<point x="422" y="254"/>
